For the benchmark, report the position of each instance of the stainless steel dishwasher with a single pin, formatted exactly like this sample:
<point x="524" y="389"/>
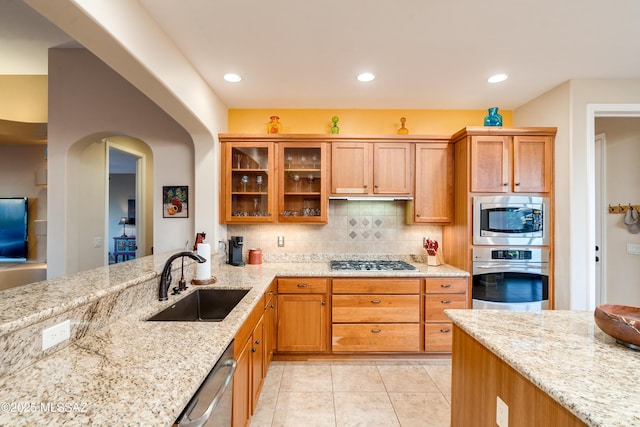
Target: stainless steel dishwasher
<point x="210" y="406"/>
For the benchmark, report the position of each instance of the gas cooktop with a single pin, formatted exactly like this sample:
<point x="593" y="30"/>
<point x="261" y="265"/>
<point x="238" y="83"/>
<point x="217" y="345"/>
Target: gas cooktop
<point x="372" y="265"/>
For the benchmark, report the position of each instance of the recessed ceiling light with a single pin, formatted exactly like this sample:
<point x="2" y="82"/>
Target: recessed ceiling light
<point x="366" y="77"/>
<point x="497" y="78"/>
<point x="233" y="78"/>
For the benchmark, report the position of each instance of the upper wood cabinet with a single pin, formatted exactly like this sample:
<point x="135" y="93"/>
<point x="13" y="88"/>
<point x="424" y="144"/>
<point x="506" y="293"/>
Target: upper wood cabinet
<point x="504" y="163"/>
<point x="248" y="180"/>
<point x="302" y="186"/>
<point x="433" y="200"/>
<point x="365" y="168"/>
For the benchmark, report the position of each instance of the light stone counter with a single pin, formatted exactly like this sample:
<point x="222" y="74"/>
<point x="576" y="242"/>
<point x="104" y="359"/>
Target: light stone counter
<point x="567" y="356"/>
<point x="128" y="371"/>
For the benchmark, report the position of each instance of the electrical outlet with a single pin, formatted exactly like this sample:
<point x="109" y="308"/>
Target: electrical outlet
<point x="633" y="249"/>
<point x="280" y="241"/>
<point x="97" y="242"/>
<point x="56" y="334"/>
<point x="502" y="413"/>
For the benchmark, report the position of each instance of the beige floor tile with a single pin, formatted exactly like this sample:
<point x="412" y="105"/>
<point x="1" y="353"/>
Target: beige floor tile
<point x="421" y="409"/>
<point x="364" y="409"/>
<point x="441" y="375"/>
<point x="307" y="409"/>
<point x="273" y="379"/>
<point x="307" y="377"/>
<point x="407" y="378"/>
<point x="265" y="409"/>
<point x="358" y="377"/>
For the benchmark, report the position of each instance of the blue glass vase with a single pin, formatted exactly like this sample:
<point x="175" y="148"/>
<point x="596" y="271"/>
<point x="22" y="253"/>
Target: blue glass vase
<point x="493" y="118"/>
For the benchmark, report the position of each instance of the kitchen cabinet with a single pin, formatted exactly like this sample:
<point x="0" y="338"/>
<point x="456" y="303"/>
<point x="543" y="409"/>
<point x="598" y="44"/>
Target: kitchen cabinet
<point x="303" y="321"/>
<point x="366" y="168"/>
<point x="251" y="351"/>
<point x="504" y="163"/>
<point x="442" y="293"/>
<point x="376" y="315"/>
<point x="247" y="178"/>
<point x="302" y="187"/>
<point x="433" y="200"/>
<point x="270" y="313"/>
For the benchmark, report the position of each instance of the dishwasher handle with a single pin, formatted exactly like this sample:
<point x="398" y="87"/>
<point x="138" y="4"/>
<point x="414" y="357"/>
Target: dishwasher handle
<point x="202" y="419"/>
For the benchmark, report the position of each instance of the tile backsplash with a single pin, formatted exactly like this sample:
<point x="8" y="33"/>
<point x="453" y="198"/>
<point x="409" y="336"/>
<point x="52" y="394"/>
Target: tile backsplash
<point x="364" y="227"/>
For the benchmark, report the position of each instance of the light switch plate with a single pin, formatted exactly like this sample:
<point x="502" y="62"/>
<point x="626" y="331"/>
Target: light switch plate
<point x="633" y="249"/>
<point x="280" y="241"/>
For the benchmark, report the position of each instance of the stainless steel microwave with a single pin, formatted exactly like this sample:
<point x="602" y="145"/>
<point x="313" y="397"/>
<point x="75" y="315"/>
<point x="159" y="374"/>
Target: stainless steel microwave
<point x="510" y="220"/>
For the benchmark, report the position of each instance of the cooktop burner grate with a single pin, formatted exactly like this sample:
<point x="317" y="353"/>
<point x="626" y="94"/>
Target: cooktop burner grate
<point x="372" y="265"/>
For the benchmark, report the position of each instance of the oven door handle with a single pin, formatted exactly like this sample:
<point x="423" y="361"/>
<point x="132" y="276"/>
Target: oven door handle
<point x="488" y="267"/>
<point x="202" y="419"/>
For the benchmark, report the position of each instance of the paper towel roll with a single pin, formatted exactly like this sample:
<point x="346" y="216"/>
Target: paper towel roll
<point x="203" y="271"/>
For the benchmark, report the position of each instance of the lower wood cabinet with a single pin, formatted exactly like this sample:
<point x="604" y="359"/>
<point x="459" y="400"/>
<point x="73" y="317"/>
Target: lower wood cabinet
<point x="303" y="317"/>
<point x="251" y="350"/>
<point x="375" y="315"/>
<point x="442" y="293"/>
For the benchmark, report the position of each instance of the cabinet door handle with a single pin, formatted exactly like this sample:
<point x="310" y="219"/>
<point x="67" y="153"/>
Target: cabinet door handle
<point x="324" y="303"/>
<point x="376" y="186"/>
<point x="376" y="331"/>
<point x="445" y="285"/>
<point x="418" y="215"/>
<point x="366" y="186"/>
<point x="257" y="342"/>
<point x="446" y="301"/>
<point x="272" y="306"/>
<point x="517" y="184"/>
<point x="505" y="184"/>
<point x="253" y="349"/>
<point x="375" y="301"/>
<point x="302" y="285"/>
<point x="445" y="331"/>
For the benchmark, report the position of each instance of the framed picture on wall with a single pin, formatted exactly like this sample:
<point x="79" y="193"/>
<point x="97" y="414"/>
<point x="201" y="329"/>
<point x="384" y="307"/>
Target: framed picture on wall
<point x="175" y="201"/>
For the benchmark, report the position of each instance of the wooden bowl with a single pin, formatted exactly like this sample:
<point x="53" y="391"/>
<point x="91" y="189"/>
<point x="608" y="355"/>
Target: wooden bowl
<point x="620" y="322"/>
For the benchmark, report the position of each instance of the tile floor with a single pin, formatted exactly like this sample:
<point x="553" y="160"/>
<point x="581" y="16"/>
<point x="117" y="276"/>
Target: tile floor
<point x="356" y="393"/>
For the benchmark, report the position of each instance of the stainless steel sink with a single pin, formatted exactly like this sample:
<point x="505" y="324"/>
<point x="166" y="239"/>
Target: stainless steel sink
<point x="203" y="305"/>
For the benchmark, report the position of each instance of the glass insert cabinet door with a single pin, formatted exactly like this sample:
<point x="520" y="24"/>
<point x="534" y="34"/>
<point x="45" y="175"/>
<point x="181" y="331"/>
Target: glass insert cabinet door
<point x="302" y="195"/>
<point x="249" y="185"/>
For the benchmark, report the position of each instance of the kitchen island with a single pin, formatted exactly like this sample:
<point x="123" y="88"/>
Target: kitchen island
<point x="551" y="368"/>
<point x="119" y="369"/>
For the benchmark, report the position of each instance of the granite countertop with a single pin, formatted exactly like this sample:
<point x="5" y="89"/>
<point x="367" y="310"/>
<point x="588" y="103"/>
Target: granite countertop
<point x="567" y="356"/>
<point x="133" y="372"/>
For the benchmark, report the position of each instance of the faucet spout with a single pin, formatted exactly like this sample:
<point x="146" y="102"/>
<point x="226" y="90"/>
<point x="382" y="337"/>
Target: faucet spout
<point x="165" y="277"/>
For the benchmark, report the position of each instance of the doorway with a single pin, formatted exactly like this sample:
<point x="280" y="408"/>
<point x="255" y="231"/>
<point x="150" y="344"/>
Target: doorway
<point x="121" y="205"/>
<point x="596" y="289"/>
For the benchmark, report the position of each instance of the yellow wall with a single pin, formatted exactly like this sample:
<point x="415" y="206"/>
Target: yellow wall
<point x="419" y="122"/>
<point x="24" y="98"/>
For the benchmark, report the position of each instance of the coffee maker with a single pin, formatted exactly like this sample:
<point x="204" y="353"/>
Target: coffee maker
<point x="235" y="250"/>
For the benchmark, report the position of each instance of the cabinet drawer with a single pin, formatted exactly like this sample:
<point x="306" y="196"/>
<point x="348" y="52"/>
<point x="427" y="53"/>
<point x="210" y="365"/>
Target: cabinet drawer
<point x="435" y="305"/>
<point x="269" y="293"/>
<point x="376" y="337"/>
<point x="302" y="285"/>
<point x="446" y="285"/>
<point x="438" y="337"/>
<point x="375" y="308"/>
<point x="376" y="286"/>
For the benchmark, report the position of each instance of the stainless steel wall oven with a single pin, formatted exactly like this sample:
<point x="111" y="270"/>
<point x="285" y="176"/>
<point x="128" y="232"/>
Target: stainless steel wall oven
<point x="510" y="278"/>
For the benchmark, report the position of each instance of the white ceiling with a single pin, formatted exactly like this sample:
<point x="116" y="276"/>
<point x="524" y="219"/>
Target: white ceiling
<point x="426" y="54"/>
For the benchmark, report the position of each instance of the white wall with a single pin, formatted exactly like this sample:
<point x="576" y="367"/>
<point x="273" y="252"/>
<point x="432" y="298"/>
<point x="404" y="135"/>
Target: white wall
<point x="89" y="101"/>
<point x="574" y="209"/>
<point x="622" y="282"/>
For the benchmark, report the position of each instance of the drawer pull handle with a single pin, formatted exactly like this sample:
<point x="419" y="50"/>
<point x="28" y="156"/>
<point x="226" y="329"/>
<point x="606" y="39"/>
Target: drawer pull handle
<point x="445" y="285"/>
<point x="302" y="285"/>
<point x="375" y="301"/>
<point x="446" y="301"/>
<point x="253" y="350"/>
<point x="376" y="331"/>
<point x="257" y="342"/>
<point x="445" y="331"/>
